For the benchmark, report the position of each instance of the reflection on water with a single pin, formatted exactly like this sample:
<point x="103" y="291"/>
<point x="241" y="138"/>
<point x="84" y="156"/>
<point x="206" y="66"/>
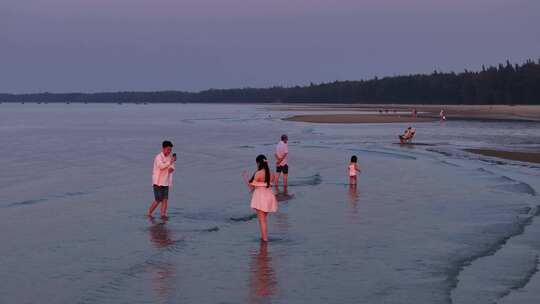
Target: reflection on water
<point x="281" y="222"/>
<point x="159" y="234"/>
<point x="161" y="273"/>
<point x="283" y="196"/>
<point x="263" y="280"/>
<point x="373" y="260"/>
<point x="162" y="280"/>
<point x="353" y="197"/>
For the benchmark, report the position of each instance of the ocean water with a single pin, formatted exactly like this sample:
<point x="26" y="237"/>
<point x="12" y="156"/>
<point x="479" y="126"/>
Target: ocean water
<point x="428" y="223"/>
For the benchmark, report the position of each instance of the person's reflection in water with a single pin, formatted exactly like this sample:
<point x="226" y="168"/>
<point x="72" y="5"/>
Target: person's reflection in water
<point x="283" y="196"/>
<point x="162" y="273"/>
<point x="159" y="234"/>
<point x="263" y="280"/>
<point x="162" y="276"/>
<point x="353" y="197"/>
<point x="281" y="221"/>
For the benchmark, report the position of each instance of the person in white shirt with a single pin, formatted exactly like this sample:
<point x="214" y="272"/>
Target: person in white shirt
<point x="282" y="152"/>
<point x="162" y="178"/>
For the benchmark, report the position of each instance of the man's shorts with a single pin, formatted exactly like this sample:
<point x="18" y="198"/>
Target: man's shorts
<point x="284" y="169"/>
<point x="161" y="193"/>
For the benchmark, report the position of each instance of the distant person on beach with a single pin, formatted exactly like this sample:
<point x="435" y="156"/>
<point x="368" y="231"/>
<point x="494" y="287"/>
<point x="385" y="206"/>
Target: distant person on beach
<point x="282" y="153"/>
<point x="414" y="112"/>
<point x="442" y="115"/>
<point x="263" y="199"/>
<point x="353" y="169"/>
<point x="162" y="178"/>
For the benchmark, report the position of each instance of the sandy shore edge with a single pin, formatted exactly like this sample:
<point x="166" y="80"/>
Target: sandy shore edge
<point x="357" y="118"/>
<point x="530" y="157"/>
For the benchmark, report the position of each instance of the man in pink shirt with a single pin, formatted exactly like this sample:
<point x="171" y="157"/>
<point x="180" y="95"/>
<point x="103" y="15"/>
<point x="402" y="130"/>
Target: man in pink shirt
<point x="162" y="177"/>
<point x="282" y="151"/>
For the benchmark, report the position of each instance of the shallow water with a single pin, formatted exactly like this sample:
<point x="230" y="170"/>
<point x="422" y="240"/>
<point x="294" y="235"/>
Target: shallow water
<point x="426" y="224"/>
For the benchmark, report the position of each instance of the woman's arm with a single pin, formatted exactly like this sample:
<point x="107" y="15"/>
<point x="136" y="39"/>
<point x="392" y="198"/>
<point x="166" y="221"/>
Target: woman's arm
<point x="246" y="181"/>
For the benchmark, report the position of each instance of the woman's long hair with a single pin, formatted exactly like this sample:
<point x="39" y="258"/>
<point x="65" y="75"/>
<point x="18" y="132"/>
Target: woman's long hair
<point x="262" y="163"/>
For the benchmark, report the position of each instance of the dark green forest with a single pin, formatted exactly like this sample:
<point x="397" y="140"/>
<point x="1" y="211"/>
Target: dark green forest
<point x="503" y="84"/>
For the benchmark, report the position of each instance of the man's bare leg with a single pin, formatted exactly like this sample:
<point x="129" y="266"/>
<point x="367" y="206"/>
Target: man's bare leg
<point x="164" y="208"/>
<point x="278" y="174"/>
<point x="153" y="207"/>
<point x="285" y="178"/>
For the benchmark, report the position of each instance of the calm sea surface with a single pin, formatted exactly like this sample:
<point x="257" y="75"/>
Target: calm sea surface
<point x="428" y="223"/>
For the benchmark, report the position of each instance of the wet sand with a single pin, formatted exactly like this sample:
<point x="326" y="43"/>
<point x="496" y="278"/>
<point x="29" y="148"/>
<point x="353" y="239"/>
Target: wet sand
<point x="426" y="113"/>
<point x="358" y="118"/>
<point x="531" y="157"/>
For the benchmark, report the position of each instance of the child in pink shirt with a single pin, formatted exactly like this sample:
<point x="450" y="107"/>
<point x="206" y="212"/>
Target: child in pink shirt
<point x="353" y="168"/>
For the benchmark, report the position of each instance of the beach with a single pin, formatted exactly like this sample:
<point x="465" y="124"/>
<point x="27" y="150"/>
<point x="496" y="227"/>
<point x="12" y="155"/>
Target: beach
<point x="425" y="222"/>
<point x="357" y="118"/>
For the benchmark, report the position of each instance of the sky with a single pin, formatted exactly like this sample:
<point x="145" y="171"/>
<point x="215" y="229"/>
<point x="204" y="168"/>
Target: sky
<point x="192" y="45"/>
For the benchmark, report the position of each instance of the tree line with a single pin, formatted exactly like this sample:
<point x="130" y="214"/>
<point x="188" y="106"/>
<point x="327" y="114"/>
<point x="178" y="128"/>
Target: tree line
<point x="503" y="84"/>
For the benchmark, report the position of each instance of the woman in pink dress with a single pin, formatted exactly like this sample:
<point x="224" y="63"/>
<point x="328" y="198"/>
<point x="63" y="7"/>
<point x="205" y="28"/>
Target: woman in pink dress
<point x="263" y="199"/>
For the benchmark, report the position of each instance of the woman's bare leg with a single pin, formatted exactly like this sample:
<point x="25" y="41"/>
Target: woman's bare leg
<point x="262" y="222"/>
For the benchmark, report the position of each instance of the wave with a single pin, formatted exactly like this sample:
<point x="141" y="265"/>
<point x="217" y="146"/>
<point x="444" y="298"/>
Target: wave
<point x="25" y="203"/>
<point x="483" y="170"/>
<point x="42" y="200"/>
<point x="521" y="283"/>
<point x="212" y="229"/>
<point x="385" y="153"/>
<point x="283" y="197"/>
<point x="316" y="147"/>
<point x="416" y="144"/>
<point x="520" y="187"/>
<point x="107" y="292"/>
<point x="449" y="163"/>
<point x="312" y="180"/>
<point x="500" y="179"/>
<point x="506" y="233"/>
<point x="244" y="218"/>
<point x="486" y="159"/>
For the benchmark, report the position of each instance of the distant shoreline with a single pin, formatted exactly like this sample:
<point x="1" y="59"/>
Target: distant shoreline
<point x="501" y="84"/>
<point x="427" y="113"/>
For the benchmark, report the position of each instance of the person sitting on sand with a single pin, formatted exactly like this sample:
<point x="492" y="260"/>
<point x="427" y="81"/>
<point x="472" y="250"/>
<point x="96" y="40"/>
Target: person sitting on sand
<point x="263" y="199"/>
<point x="353" y="169"/>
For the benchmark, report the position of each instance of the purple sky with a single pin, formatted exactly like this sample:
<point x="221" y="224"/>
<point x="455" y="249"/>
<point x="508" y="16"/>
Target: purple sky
<point x="113" y="45"/>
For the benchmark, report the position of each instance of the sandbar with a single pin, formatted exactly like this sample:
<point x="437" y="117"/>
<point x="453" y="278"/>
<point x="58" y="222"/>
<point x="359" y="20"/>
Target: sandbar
<point x="531" y="157"/>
